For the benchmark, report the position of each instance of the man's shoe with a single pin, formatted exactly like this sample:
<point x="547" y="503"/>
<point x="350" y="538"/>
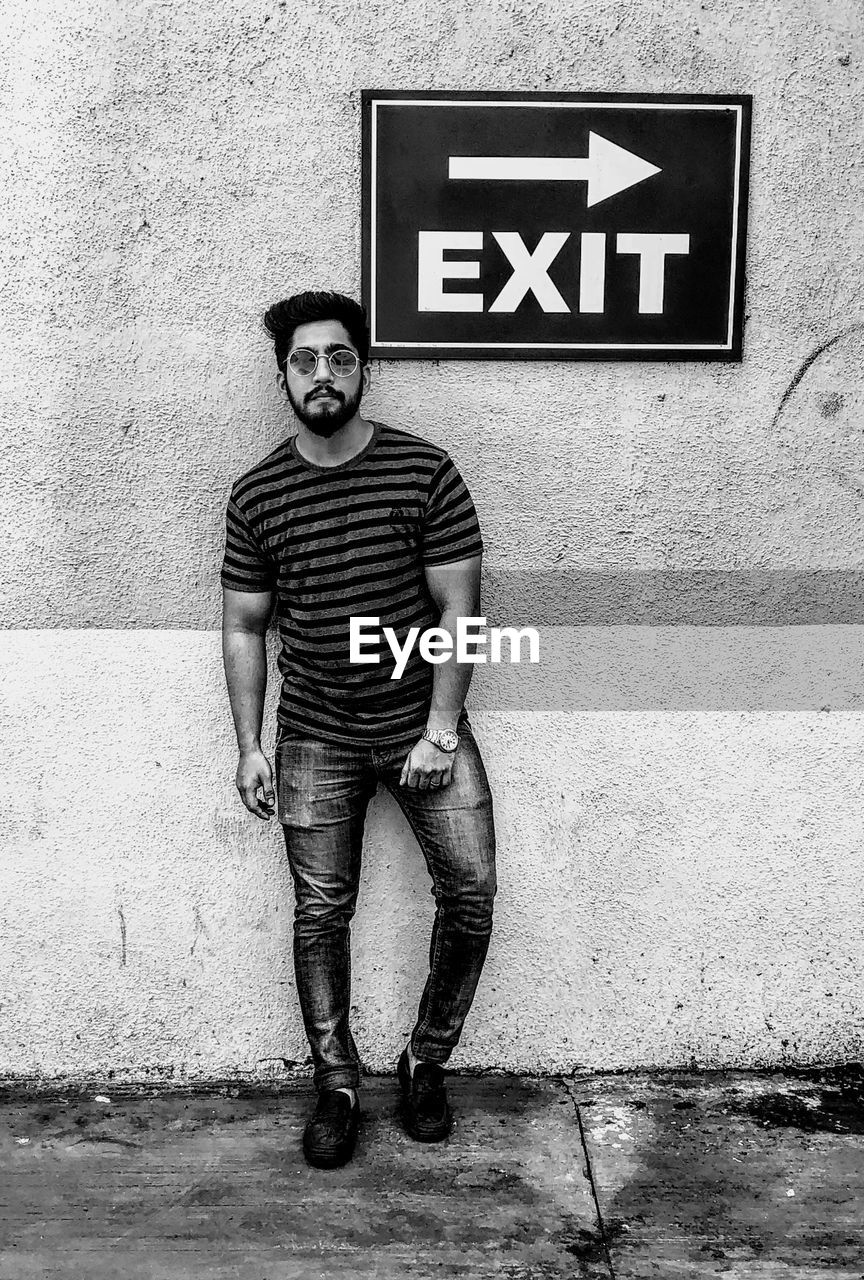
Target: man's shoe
<point x="329" y="1137"/>
<point x="425" y="1111"/>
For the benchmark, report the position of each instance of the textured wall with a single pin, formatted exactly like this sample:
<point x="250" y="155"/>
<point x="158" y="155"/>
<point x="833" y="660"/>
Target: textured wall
<point x="678" y="785"/>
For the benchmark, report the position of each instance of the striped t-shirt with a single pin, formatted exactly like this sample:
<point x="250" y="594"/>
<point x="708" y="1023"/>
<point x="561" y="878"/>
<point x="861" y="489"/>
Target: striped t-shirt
<point x="350" y="541"/>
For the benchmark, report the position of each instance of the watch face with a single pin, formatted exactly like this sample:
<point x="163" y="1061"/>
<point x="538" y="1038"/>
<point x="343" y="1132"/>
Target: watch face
<point x="449" y="741"/>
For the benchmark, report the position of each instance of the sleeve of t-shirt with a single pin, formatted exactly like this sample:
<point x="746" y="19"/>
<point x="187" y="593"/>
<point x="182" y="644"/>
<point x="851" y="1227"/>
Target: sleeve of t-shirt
<point x="245" y="567"/>
<point x="450" y="527"/>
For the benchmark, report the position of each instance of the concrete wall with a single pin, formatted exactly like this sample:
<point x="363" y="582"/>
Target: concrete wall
<point x="678" y="785"/>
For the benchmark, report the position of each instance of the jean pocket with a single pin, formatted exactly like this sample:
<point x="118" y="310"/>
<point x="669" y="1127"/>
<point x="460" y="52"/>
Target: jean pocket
<point x="280" y="747"/>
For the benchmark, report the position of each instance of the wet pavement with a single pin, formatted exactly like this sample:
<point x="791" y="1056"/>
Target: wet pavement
<point x="668" y="1175"/>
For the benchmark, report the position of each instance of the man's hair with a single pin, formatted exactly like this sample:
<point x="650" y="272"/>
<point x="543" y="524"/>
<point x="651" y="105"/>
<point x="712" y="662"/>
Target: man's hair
<point x="282" y="319"/>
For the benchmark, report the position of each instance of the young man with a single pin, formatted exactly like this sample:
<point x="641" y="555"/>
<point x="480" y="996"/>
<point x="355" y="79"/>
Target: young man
<point x="353" y="519"/>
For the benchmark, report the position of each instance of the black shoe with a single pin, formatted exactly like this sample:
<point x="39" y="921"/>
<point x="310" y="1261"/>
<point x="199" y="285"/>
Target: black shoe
<point x="425" y="1111"/>
<point x="329" y="1137"/>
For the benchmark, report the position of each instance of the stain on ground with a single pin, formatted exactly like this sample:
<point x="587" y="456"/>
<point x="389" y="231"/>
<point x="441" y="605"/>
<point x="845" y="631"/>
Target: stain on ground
<point x="757" y="1171"/>
<point x="832" y="1110"/>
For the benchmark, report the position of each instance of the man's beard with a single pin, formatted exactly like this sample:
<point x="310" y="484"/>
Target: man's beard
<point x="327" y="418"/>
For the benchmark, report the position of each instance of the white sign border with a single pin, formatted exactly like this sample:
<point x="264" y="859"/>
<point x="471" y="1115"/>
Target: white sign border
<point x="545" y="105"/>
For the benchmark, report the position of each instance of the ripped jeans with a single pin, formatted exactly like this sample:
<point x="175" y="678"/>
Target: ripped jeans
<point x="323" y="792"/>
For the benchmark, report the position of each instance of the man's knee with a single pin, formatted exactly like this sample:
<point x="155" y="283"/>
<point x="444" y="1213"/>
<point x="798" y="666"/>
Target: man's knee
<point x="472" y="898"/>
<point x="322" y="906"/>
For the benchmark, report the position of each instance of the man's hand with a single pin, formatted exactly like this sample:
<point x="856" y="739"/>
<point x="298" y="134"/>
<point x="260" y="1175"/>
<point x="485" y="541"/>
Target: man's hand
<point x="427" y="767"/>
<point x="253" y="771"/>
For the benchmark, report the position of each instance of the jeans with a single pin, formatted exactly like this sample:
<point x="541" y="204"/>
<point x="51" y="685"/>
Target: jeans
<point x="323" y="791"/>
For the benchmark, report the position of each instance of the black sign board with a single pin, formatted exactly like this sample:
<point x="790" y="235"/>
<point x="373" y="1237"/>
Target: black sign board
<point x="549" y="226"/>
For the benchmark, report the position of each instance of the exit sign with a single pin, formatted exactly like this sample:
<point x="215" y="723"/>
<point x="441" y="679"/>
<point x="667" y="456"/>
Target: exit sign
<point x="554" y="226"/>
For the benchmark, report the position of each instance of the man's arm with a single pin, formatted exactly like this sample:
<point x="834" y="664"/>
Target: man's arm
<point x="245" y="615"/>
<point x="455" y="590"/>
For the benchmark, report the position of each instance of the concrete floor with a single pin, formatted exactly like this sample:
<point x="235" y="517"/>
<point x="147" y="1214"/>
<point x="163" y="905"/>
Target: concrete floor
<point x="665" y="1175"/>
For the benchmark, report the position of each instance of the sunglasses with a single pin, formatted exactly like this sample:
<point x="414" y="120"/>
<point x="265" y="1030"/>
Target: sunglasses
<point x="342" y="362"/>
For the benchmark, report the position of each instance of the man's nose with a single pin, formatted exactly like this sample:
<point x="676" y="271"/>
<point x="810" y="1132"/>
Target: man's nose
<point x="322" y="369"/>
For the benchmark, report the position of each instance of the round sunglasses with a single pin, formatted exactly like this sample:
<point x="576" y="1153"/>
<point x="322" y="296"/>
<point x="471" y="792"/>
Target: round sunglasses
<point x="342" y="362"/>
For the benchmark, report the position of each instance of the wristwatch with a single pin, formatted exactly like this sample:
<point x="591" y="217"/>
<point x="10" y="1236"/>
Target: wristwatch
<point x="444" y="739"/>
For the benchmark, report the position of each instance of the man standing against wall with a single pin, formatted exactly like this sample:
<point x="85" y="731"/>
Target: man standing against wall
<point x="350" y="518"/>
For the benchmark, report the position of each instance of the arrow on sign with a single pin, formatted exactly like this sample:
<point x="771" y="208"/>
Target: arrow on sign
<point x="608" y="169"/>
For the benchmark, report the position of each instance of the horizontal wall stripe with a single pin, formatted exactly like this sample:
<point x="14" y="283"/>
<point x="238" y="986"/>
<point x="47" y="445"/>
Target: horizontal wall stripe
<point x="86" y="595"/>
<point x="676" y="597"/>
<point x="749" y="670"/>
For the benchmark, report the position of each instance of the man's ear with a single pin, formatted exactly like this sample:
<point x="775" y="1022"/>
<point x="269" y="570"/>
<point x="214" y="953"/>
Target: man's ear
<point x="281" y="383"/>
<point x="366" y="376"/>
